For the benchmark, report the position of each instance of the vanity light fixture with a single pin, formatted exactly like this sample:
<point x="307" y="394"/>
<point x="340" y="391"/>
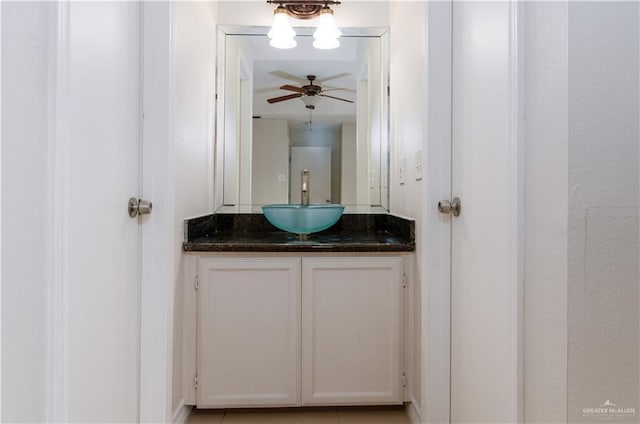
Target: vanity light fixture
<point x="326" y="34"/>
<point x="281" y="33"/>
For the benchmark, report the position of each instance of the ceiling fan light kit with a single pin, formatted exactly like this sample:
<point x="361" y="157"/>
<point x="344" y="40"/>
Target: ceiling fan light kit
<point x="282" y="35"/>
<point x="310" y="101"/>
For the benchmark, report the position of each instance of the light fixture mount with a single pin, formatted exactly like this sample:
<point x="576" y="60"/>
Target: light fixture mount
<point x="303" y="9"/>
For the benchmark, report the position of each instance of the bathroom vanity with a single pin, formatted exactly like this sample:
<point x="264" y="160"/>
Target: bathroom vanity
<point x="272" y="320"/>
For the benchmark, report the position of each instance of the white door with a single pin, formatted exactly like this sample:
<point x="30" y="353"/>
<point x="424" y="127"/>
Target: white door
<point x="351" y="331"/>
<point x="484" y="283"/>
<point x="318" y="161"/>
<point x="248" y="332"/>
<point x="99" y="117"/>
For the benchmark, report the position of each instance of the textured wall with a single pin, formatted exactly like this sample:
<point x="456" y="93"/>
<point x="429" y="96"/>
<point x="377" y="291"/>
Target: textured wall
<point x="603" y="101"/>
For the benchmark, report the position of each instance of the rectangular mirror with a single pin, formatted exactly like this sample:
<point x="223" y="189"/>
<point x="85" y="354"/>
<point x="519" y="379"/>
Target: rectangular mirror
<point x="281" y="111"/>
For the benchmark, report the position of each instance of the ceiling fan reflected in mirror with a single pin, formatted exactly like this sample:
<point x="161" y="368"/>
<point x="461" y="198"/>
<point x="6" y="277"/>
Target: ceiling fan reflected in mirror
<point x="310" y="93"/>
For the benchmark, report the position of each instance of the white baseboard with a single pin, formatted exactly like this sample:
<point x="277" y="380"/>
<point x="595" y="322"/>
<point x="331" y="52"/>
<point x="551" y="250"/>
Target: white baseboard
<point x="181" y="413"/>
<point x="414" y="414"/>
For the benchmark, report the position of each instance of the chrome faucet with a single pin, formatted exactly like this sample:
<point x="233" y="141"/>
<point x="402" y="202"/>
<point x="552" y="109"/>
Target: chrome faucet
<point x="304" y="195"/>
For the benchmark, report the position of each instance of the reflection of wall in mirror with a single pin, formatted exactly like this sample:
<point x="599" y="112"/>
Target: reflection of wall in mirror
<point x="271" y="177"/>
<point x="270" y="161"/>
<point x="348" y="189"/>
<point x="331" y="138"/>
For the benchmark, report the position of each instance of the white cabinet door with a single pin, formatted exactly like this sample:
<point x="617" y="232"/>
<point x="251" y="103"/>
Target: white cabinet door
<point x="352" y="328"/>
<point x="248" y="332"/>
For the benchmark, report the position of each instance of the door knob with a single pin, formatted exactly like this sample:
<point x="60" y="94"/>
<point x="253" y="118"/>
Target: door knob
<point x="450" y="207"/>
<point x="139" y="207"/>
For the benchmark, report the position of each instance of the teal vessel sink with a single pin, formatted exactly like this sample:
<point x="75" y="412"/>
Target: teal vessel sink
<point x="301" y="219"/>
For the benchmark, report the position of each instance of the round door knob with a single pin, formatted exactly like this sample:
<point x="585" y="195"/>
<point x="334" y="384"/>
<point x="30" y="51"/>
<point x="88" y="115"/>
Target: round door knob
<point x="139" y="207"/>
<point x="450" y="207"/>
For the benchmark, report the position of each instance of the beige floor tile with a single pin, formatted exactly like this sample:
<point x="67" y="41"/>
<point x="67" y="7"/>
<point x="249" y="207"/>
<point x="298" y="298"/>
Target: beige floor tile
<point x="206" y="416"/>
<point x="373" y="415"/>
<point x="282" y="416"/>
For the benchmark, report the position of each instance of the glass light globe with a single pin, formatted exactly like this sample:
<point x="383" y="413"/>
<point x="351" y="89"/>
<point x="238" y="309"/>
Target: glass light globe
<point x="326" y="43"/>
<point x="326" y="33"/>
<point x="310" y="101"/>
<point x="283" y="43"/>
<point x="281" y="33"/>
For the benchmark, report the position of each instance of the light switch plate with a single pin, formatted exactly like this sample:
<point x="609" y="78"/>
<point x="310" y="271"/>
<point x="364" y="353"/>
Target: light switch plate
<point x="418" y="165"/>
<point x="282" y="178"/>
<point x="401" y="170"/>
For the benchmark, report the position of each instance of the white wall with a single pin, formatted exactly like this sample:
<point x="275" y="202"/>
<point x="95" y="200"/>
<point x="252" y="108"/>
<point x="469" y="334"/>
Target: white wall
<point x="195" y="55"/>
<point x="25" y="273"/>
<point x="408" y="106"/>
<point x="545" y="279"/>
<point x="348" y="192"/>
<point x="603" y="204"/>
<point x="408" y="67"/>
<point x="270" y="152"/>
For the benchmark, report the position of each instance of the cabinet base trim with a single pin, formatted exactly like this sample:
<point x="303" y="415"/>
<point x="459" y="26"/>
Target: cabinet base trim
<point x="413" y="413"/>
<point x="181" y="414"/>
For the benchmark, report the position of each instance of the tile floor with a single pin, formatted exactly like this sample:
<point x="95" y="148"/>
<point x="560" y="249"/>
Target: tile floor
<point x="328" y="415"/>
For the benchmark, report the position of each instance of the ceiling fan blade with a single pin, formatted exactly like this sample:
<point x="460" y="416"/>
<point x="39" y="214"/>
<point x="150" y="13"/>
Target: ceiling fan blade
<point x="320" y="81"/>
<point x="337" y="98"/>
<point x="292" y="88"/>
<point x="330" y="88"/>
<point x="266" y="90"/>
<point x="288" y="76"/>
<point x="283" y="98"/>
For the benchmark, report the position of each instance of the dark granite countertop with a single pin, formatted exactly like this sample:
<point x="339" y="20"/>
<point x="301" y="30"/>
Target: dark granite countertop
<point x="253" y="233"/>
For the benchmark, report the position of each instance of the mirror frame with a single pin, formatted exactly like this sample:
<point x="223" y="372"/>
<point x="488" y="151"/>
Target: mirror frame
<point x="224" y="193"/>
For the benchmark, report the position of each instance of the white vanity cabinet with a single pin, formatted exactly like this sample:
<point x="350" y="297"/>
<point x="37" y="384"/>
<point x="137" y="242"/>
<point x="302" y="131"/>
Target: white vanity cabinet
<point x="351" y="330"/>
<point x="248" y="332"/>
<point x="296" y="330"/>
